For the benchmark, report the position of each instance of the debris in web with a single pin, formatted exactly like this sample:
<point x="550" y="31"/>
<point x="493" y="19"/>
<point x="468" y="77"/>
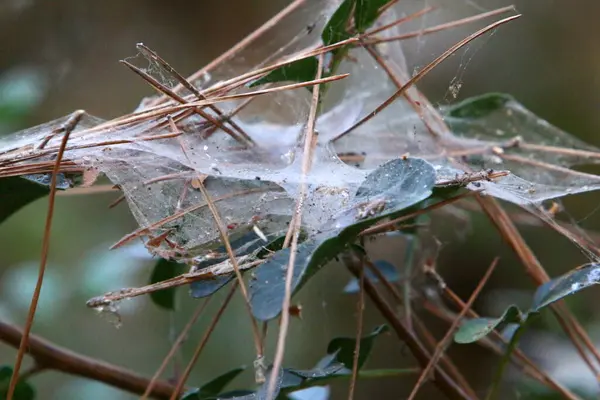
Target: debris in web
<point x="250" y="161"/>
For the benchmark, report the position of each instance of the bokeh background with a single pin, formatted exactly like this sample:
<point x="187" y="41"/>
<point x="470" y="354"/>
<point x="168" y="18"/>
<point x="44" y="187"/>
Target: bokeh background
<point x="56" y="57"/>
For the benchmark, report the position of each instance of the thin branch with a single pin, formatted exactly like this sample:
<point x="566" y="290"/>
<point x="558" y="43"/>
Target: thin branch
<point x="535" y="271"/>
<point x="146" y="229"/>
<point x="417" y="77"/>
<point x="309" y="147"/>
<point x="225" y="239"/>
<point x="69" y="126"/>
<point x="441" y="379"/>
<point x="229" y="54"/>
<point x="176" y="345"/>
<point x="162" y="88"/>
<point x="528" y="366"/>
<point x="203" y="342"/>
<point x="360" y="305"/>
<point x="184" y="279"/>
<point x="441" y="347"/>
<point x="60" y="359"/>
<point x="451" y="368"/>
<point x="442" y="27"/>
<point x="445" y="360"/>
<point x="184" y="82"/>
<point x="399" y="21"/>
<point x="391" y="225"/>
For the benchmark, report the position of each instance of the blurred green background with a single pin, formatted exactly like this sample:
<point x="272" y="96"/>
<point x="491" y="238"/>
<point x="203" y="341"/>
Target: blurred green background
<point x="56" y="57"/>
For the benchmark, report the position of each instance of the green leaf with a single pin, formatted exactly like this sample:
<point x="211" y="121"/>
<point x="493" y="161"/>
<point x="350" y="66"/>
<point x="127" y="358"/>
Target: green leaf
<point x="23" y="390"/>
<point x="335" y="29"/>
<point x="479" y="106"/>
<point x="18" y="191"/>
<point x="385" y="193"/>
<point x="344" y="347"/>
<point x="298" y="71"/>
<point x="214" y="387"/>
<point x="477" y="328"/>
<point x="565" y="285"/>
<point x="366" y="13"/>
<point x="164" y="270"/>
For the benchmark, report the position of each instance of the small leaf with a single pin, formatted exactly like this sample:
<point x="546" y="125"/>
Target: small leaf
<point x="478" y="107"/>
<point x="385" y="193"/>
<point x="366" y="13"/>
<point x="344" y="347"/>
<point x="565" y="285"/>
<point x="215" y="386"/>
<point x="303" y="70"/>
<point x="335" y="29"/>
<point x="388" y="270"/>
<point x="477" y="328"/>
<point x="162" y="271"/>
<point x="23" y="390"/>
<point x="18" y="191"/>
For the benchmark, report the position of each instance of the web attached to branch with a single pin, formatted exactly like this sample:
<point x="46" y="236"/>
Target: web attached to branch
<point x="161" y="154"/>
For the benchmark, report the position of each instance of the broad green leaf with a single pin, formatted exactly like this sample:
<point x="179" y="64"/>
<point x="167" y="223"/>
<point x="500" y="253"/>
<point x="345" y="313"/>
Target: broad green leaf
<point x="478" y="107"/>
<point x="23" y="390"/>
<point x="298" y="71"/>
<point x="366" y="14"/>
<point x="335" y="29"/>
<point x="565" y="285"/>
<point x="18" y="191"/>
<point x="164" y="270"/>
<point x="477" y="328"/>
<point x="385" y="193"/>
<point x="389" y="271"/>
<point x="344" y="347"/>
<point x="214" y="387"/>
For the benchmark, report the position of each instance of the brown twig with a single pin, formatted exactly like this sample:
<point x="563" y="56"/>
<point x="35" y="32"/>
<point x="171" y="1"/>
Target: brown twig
<point x="417" y="77"/>
<point x="176" y="345"/>
<point x="534" y="269"/>
<point x="57" y="358"/>
<point x="360" y="305"/>
<point x="69" y="126"/>
<point x="309" y="147"/>
<point x="528" y="366"/>
<point x="203" y="342"/>
<point x="229" y="54"/>
<point x="441" y="379"/>
<point x="232" y="257"/>
<point x="441" y="347"/>
<point x="184" y="279"/>
<point x="188" y="85"/>
<point x="442" y="27"/>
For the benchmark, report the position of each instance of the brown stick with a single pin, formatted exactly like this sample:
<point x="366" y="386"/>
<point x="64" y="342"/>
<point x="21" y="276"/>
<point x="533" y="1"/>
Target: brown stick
<point x="58" y="358"/>
<point x="441" y="347"/>
<point x="441" y="379"/>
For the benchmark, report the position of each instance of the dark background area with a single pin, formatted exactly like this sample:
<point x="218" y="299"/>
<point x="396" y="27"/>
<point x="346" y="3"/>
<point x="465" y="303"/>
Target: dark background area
<point x="56" y="57"/>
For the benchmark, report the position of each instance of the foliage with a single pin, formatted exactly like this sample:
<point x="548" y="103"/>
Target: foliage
<point x="23" y="391"/>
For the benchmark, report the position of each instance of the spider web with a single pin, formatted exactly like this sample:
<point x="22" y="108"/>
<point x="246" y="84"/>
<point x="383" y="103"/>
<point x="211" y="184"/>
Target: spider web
<point x="255" y="187"/>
